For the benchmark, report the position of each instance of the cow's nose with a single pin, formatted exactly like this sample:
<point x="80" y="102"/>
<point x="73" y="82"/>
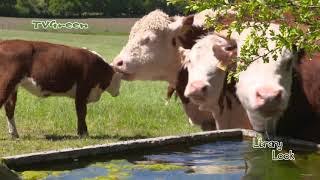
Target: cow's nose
<point x="119" y="63"/>
<point x="197" y="88"/>
<point x="268" y="95"/>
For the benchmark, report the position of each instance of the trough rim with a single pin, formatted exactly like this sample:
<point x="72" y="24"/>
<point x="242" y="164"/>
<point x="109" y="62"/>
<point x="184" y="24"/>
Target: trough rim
<point x="124" y="147"/>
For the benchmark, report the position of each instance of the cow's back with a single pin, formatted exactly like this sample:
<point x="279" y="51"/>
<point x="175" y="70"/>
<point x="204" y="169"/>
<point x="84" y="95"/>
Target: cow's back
<point x="15" y="52"/>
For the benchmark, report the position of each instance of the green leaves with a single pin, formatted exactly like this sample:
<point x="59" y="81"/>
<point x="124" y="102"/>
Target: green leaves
<point x="299" y="24"/>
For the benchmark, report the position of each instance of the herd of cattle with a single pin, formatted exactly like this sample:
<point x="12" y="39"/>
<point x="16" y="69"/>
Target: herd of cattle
<point x="278" y="98"/>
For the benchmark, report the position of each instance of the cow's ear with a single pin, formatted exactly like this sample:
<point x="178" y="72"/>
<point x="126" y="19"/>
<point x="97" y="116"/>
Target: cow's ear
<point x="179" y="24"/>
<point x="225" y="53"/>
<point x="188" y="21"/>
<point x="184" y="55"/>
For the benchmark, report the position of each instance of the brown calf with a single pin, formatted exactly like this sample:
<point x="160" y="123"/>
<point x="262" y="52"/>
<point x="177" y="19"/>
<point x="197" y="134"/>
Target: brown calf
<point x="46" y="69"/>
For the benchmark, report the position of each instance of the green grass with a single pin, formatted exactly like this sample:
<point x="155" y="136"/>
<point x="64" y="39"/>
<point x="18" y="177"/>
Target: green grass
<point x="50" y="123"/>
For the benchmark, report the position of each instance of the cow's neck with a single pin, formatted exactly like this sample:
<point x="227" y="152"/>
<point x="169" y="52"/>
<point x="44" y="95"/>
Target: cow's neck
<point x="230" y="117"/>
<point x="171" y="72"/>
<point x="172" y="79"/>
<point x="299" y="120"/>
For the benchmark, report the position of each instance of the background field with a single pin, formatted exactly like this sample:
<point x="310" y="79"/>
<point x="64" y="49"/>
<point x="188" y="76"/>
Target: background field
<point x="115" y="26"/>
<point x="48" y="124"/>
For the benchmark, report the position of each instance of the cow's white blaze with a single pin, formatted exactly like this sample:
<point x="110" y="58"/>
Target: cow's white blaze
<point x="276" y="75"/>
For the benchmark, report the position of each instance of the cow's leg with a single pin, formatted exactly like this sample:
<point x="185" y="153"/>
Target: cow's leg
<point x="8" y="83"/>
<point x="9" y="108"/>
<point x="208" y="125"/>
<point x="81" y="108"/>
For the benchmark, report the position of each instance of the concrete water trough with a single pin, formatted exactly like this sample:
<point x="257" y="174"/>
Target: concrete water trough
<point x="151" y="146"/>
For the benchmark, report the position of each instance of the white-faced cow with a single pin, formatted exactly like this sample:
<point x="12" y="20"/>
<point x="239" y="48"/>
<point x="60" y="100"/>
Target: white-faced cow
<point x="295" y="112"/>
<point x="264" y="88"/>
<point x="152" y="54"/>
<point x="281" y="97"/>
<point x="46" y="69"/>
<point x="207" y="84"/>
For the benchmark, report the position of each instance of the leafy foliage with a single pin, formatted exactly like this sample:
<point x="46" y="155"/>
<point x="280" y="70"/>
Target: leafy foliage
<point x="80" y="8"/>
<point x="299" y="24"/>
<point x="7" y="7"/>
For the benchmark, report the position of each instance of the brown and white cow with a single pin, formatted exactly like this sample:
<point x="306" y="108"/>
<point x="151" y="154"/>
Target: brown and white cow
<point x="46" y="69"/>
<point x="152" y="54"/>
<point x="267" y="83"/>
<point x="264" y="88"/>
<point x="207" y="85"/>
<point x="300" y="118"/>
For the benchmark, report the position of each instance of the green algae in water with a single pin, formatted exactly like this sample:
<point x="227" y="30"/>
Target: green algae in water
<point x="124" y="165"/>
<point x="120" y="169"/>
<point x="37" y="175"/>
<point x="159" y="167"/>
<point x="34" y="175"/>
<point x="115" y="170"/>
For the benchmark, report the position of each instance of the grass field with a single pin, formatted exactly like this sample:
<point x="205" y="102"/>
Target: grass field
<point x="49" y="124"/>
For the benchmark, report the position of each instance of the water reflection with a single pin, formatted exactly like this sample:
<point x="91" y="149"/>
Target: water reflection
<point x="219" y="160"/>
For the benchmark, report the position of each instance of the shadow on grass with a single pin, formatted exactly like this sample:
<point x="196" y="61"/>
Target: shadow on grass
<point x="53" y="137"/>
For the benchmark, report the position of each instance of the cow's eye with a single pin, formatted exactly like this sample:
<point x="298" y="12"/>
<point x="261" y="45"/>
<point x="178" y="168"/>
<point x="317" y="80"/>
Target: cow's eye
<point x="145" y="40"/>
<point x="187" y="62"/>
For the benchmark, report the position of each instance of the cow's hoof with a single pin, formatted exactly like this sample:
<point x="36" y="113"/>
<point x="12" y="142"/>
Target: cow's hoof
<point x="14" y="135"/>
<point x="83" y="135"/>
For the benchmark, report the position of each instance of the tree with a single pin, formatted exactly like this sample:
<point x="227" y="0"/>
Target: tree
<point x="151" y="5"/>
<point x="299" y="23"/>
<point x="7" y="7"/>
<point x="68" y="8"/>
<point x="72" y="8"/>
<point x="32" y="7"/>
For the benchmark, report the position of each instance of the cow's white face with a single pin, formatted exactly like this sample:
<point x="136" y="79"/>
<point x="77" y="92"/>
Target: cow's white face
<point x="206" y="75"/>
<point x="151" y="51"/>
<point x="264" y="90"/>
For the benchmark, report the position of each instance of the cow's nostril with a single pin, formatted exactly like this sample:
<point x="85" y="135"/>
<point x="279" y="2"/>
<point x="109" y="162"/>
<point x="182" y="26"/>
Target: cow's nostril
<point x="259" y="95"/>
<point x="278" y="95"/>
<point x="119" y="63"/>
<point x="204" y="88"/>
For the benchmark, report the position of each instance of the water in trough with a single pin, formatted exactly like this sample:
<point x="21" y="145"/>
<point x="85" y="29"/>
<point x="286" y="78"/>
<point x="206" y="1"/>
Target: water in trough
<point x="218" y="160"/>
